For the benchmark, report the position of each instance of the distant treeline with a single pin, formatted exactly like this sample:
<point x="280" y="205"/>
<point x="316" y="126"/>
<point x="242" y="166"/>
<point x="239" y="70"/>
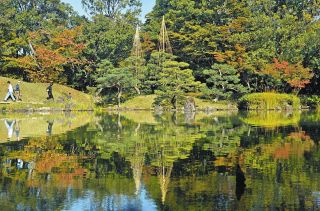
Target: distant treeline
<point x="221" y="49"/>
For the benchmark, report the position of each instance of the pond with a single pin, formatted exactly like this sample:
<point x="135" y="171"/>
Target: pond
<point x="160" y="161"/>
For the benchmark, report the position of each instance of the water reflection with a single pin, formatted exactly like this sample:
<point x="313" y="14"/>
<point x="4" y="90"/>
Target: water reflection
<point x="9" y="124"/>
<point x="168" y="161"/>
<point x="19" y="126"/>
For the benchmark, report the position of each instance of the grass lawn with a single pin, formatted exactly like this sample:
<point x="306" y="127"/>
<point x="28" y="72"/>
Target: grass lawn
<point x="145" y="102"/>
<point x="34" y="96"/>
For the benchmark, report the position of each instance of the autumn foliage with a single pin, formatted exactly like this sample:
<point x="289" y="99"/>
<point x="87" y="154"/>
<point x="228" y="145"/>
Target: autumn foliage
<point x="295" y="75"/>
<point x="50" y="53"/>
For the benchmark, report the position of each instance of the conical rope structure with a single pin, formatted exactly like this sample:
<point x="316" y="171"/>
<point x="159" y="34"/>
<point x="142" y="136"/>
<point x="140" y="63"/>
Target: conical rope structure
<point x="136" y="51"/>
<point x="164" y="42"/>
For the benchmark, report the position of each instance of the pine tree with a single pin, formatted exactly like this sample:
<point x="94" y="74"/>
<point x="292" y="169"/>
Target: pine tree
<point x="223" y="82"/>
<point x="120" y="79"/>
<point x="176" y="80"/>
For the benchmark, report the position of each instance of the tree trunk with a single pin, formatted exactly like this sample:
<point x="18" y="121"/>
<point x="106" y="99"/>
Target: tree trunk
<point x="174" y="102"/>
<point x="137" y="90"/>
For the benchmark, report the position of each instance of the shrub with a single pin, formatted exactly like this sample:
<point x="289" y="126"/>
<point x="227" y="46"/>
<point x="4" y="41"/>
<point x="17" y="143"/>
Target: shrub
<point x="269" y="101"/>
<point x="311" y="101"/>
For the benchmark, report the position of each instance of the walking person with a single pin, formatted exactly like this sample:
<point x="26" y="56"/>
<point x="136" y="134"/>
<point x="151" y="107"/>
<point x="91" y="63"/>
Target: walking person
<point x="49" y="90"/>
<point x="10" y="92"/>
<point x="17" y="91"/>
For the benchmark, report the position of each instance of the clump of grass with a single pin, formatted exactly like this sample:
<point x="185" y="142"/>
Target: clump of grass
<point x="269" y="101"/>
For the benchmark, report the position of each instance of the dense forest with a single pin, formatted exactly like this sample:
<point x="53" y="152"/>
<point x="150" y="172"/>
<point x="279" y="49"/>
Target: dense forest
<point x="217" y="50"/>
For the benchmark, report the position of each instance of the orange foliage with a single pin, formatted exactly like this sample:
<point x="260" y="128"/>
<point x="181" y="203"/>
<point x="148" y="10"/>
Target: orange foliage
<point x="52" y="51"/>
<point x="299" y="143"/>
<point x="49" y="58"/>
<point x="68" y="169"/>
<point x="294" y="74"/>
<point x="299" y="135"/>
<point x="147" y="44"/>
<point x="219" y="57"/>
<point x="283" y="152"/>
<point x="235" y="57"/>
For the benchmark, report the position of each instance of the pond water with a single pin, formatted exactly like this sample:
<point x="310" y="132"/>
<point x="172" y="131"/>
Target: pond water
<point x="160" y="161"/>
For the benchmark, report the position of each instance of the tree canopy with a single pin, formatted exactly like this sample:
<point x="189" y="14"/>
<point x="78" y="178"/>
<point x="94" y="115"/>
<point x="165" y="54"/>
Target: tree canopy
<point x="263" y="45"/>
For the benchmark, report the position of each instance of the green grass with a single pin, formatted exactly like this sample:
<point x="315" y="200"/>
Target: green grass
<point x="145" y="102"/>
<point x="269" y="101"/>
<point x="34" y="96"/>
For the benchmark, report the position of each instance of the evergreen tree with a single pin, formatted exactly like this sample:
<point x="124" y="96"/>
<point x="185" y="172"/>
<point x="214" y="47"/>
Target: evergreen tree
<point x="175" y="81"/>
<point x="118" y="80"/>
<point x="223" y="82"/>
<point x="153" y="70"/>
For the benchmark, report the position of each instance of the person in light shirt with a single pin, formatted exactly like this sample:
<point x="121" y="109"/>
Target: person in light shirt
<point x="10" y="92"/>
<point x="9" y="125"/>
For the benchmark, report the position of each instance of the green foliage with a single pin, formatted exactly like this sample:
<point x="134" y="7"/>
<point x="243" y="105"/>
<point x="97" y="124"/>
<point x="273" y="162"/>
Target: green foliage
<point x="121" y="79"/>
<point x="311" y="101"/>
<point x="175" y="81"/>
<point x="112" y="9"/>
<point x="241" y="39"/>
<point x="223" y="82"/>
<point x="108" y="38"/>
<point x="153" y="70"/>
<point x="269" y="101"/>
<point x="18" y="18"/>
<point x="245" y="35"/>
<point x="163" y="153"/>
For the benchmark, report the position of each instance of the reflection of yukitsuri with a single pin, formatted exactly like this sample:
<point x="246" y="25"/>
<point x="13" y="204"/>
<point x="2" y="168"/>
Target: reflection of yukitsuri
<point x="164" y="177"/>
<point x="164" y="173"/>
<point x="137" y="162"/>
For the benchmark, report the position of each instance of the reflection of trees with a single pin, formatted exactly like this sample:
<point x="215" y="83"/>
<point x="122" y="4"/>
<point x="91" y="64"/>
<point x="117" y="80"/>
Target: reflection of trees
<point x="271" y="119"/>
<point x="175" y="160"/>
<point x="274" y="167"/>
<point x="164" y="173"/>
<point x="167" y="142"/>
<point x="137" y="162"/>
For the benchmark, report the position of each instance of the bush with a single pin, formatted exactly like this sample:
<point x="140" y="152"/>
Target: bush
<point x="269" y="101"/>
<point x="312" y="101"/>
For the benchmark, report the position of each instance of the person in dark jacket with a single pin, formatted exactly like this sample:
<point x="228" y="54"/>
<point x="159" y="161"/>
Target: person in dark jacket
<point x="49" y="90"/>
<point x="17" y="91"/>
